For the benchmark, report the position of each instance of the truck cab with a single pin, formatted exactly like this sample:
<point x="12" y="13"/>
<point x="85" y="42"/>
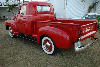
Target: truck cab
<point x="33" y="11"/>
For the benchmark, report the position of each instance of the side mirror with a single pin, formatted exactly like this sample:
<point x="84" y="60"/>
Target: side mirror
<point x="22" y="13"/>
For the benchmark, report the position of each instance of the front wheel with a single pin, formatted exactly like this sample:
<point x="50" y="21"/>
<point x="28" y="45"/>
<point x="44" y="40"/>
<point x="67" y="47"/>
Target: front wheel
<point x="48" y="45"/>
<point x="11" y="34"/>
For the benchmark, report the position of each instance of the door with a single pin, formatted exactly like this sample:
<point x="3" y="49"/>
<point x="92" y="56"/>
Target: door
<point x="21" y="20"/>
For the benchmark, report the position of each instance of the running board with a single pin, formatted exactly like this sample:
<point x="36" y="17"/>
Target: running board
<point x="27" y="37"/>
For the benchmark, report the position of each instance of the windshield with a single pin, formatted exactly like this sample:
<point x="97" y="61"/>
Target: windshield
<point x="43" y="8"/>
<point x="84" y="16"/>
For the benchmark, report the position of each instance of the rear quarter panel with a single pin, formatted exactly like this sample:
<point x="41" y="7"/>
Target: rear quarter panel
<point x="61" y="39"/>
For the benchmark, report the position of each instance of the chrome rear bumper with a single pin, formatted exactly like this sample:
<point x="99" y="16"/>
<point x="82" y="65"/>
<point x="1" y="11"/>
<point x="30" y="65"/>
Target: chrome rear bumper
<point x="83" y="47"/>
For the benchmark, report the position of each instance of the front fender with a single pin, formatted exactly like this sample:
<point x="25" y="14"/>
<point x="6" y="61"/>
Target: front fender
<point x="62" y="39"/>
<point x="13" y="25"/>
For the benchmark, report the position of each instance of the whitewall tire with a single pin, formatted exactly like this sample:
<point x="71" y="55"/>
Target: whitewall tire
<point x="48" y="46"/>
<point x="11" y="34"/>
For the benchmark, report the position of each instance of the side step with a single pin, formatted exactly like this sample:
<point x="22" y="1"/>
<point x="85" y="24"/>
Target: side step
<point x="34" y="39"/>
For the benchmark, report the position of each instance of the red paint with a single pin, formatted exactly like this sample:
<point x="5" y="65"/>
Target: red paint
<point x="64" y="32"/>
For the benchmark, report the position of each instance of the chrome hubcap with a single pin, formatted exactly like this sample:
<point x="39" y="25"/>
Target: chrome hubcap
<point x="47" y="45"/>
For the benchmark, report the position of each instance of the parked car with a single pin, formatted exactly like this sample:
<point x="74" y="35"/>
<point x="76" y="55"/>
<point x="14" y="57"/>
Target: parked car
<point x="37" y="20"/>
<point x="90" y="16"/>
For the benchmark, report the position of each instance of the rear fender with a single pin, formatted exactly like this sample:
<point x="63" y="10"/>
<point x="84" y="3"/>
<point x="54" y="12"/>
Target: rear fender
<point x="62" y="39"/>
<point x="13" y="25"/>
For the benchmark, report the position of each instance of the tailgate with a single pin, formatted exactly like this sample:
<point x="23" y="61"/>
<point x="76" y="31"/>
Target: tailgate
<point x="88" y="30"/>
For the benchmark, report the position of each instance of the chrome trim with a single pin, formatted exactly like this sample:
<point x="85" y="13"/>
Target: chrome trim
<point x="83" y="47"/>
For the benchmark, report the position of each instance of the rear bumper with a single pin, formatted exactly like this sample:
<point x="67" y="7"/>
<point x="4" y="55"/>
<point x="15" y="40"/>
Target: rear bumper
<point x="87" y="35"/>
<point x="83" y="47"/>
<point x="78" y="46"/>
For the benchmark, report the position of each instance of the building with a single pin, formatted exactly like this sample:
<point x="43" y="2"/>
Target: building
<point x="59" y="7"/>
<point x="73" y="8"/>
<point x="62" y="8"/>
<point x="3" y="9"/>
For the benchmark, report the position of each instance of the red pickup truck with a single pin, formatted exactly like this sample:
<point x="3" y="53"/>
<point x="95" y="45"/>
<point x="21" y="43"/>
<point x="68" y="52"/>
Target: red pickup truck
<point x="37" y="20"/>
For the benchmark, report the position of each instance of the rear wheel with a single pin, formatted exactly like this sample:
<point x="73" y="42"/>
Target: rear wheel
<point x="48" y="45"/>
<point x="11" y="34"/>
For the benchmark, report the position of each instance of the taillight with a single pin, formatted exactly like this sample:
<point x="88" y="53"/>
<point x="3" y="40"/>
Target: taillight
<point x="80" y="32"/>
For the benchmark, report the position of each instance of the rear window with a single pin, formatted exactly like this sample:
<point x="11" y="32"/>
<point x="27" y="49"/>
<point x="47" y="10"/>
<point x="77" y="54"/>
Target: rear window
<point x="43" y="8"/>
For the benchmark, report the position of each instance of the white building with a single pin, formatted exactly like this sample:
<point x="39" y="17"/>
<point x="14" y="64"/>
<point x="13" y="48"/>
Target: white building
<point x="62" y="8"/>
<point x="3" y="9"/>
<point x="73" y="8"/>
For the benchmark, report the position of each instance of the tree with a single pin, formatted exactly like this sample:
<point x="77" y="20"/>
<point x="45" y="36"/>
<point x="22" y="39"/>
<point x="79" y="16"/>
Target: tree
<point x="92" y="6"/>
<point x="98" y="24"/>
<point x="10" y="7"/>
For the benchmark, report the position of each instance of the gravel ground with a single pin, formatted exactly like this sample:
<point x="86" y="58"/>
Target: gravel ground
<point x="18" y="52"/>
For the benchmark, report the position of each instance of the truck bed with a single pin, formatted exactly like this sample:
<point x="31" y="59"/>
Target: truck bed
<point x="75" y="21"/>
<point x="88" y="27"/>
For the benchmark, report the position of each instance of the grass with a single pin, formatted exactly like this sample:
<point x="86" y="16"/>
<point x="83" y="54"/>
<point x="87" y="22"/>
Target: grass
<point x="18" y="52"/>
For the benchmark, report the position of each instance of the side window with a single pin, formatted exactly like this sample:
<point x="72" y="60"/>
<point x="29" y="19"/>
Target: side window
<point x="23" y="10"/>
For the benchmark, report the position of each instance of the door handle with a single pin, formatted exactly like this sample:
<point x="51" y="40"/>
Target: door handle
<point x="24" y="18"/>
